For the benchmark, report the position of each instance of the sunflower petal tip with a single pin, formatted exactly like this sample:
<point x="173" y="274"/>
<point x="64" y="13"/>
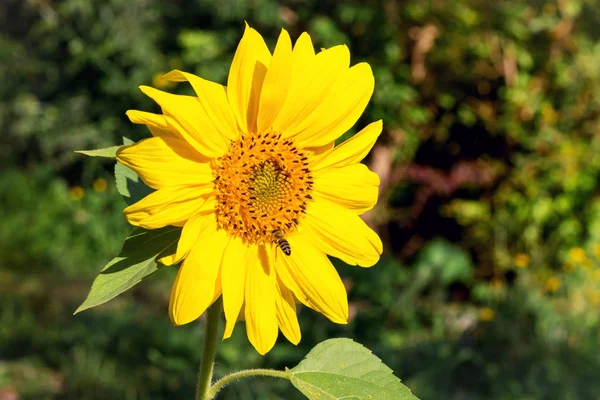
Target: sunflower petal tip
<point x="378" y="246"/>
<point x="174" y="75"/>
<point x="178" y="320"/>
<point x="249" y="29"/>
<point x="265" y="348"/>
<point x="167" y="260"/>
<point x="174" y="320"/>
<point x="368" y="264"/>
<point x="228" y="330"/>
<point x="295" y="340"/>
<point x="147" y="90"/>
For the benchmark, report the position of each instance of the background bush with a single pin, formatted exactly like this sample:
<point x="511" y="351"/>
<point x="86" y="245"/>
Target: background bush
<point x="489" y="287"/>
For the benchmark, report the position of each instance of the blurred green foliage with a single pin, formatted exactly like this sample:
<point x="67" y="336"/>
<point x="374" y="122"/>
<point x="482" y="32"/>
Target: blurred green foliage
<point x="490" y="283"/>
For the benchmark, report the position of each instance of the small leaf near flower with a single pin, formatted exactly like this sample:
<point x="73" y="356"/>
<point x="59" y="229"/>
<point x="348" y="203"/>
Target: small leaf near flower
<point x="108" y="152"/>
<point x="137" y="260"/>
<point x="344" y="369"/>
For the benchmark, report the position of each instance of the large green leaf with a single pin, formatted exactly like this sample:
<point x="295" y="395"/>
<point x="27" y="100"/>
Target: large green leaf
<point x="108" y="152"/>
<point x="343" y="369"/>
<point x="129" y="184"/>
<point x="136" y="261"/>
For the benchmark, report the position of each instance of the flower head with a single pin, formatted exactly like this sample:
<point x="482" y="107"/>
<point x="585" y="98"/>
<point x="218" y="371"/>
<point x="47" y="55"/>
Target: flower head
<point x="577" y="254"/>
<point x="76" y="193"/>
<point x="100" y="185"/>
<point x="487" y="314"/>
<point x="251" y="173"/>
<point x="521" y="260"/>
<point x="552" y="284"/>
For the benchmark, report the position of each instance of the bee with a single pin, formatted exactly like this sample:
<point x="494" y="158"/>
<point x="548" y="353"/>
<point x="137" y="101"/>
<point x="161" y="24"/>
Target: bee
<point x="283" y="244"/>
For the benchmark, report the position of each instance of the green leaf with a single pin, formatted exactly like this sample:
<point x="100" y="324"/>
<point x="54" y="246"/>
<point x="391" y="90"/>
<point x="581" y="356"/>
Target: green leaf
<point x="129" y="184"/>
<point x="108" y="152"/>
<point x="136" y="261"/>
<point x="344" y="369"/>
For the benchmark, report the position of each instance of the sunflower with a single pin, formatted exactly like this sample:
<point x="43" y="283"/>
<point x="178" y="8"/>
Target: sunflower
<point x="251" y="173"/>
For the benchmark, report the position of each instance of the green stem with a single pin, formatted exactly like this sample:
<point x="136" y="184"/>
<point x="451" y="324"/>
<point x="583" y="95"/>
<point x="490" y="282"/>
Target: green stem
<point x="226" y="380"/>
<point x="213" y="316"/>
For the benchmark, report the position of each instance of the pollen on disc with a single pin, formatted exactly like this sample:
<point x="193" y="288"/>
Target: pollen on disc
<point x="263" y="184"/>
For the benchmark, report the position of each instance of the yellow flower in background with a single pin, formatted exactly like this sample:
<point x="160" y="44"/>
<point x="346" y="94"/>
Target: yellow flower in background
<point x="251" y="173"/>
<point x="487" y="314"/>
<point x="593" y="297"/>
<point x="552" y="284"/>
<point x="100" y="185"/>
<point x="549" y="114"/>
<point x="597" y="251"/>
<point x="76" y="193"/>
<point x="521" y="260"/>
<point x="577" y="254"/>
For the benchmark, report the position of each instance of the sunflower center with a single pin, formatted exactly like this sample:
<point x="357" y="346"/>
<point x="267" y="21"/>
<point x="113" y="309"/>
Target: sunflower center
<point x="263" y="184"/>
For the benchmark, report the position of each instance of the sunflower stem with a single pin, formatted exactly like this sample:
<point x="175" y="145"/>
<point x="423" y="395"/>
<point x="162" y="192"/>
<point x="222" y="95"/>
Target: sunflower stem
<point x="226" y="380"/>
<point x="213" y="316"/>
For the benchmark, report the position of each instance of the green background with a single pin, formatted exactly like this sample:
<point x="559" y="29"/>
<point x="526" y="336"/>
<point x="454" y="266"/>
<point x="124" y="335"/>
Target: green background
<point x="489" y="287"/>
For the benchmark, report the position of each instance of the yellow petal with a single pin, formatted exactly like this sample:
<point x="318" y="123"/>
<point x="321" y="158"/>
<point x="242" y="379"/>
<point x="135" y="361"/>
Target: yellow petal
<point x="287" y="318"/>
<point x="312" y="79"/>
<point x="310" y="275"/>
<point x="191" y="121"/>
<point x="352" y="186"/>
<point x="233" y="279"/>
<point x="190" y="234"/>
<point x="198" y="282"/>
<point x="304" y="51"/>
<point x="156" y="123"/>
<point x="341" y="233"/>
<point x="340" y="110"/>
<point x="213" y="99"/>
<point x="351" y="151"/>
<point x="260" y="310"/>
<point x="165" y="162"/>
<point x="168" y="260"/>
<point x="277" y="81"/>
<point x="317" y="152"/>
<point x="167" y="257"/>
<point x="284" y="276"/>
<point x="168" y="206"/>
<point x="246" y="76"/>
